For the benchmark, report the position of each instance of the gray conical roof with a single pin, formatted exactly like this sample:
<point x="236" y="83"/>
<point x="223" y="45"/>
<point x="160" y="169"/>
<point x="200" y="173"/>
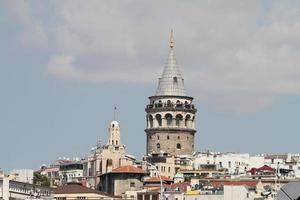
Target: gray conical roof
<point x="171" y="82"/>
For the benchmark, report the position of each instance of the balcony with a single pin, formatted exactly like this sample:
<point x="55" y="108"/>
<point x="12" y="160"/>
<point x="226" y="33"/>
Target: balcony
<point x="170" y="107"/>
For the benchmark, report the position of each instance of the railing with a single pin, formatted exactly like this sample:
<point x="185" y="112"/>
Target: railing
<point x="171" y="106"/>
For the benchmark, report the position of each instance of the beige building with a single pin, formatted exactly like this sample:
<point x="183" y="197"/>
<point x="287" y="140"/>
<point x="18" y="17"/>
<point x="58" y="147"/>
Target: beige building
<point x="104" y="159"/>
<point x="168" y="165"/>
<point x="122" y="179"/>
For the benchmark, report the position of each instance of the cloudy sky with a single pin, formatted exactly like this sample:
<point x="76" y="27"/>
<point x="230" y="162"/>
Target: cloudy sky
<point x="64" y="65"/>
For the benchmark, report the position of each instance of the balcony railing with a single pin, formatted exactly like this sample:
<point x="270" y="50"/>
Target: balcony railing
<point x="172" y="106"/>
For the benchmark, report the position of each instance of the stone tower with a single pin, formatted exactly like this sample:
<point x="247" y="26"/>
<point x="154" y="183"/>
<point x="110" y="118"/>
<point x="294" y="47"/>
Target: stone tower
<point x="114" y="134"/>
<point x="170" y="113"/>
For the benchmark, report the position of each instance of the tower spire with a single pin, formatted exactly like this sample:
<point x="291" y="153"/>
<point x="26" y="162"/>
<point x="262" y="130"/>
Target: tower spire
<point x="171" y="39"/>
<point x="115" y="108"/>
<point x="171" y="82"/>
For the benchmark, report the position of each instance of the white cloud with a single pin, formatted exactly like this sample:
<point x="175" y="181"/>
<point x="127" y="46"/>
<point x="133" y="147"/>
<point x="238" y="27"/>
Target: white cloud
<point x="33" y="34"/>
<point x="239" y="55"/>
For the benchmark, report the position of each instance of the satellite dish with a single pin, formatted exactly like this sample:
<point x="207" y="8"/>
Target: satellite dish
<point x="289" y="191"/>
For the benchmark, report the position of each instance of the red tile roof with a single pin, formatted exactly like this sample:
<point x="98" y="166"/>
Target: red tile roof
<point x="249" y="183"/>
<point x="129" y="169"/>
<point x="76" y="188"/>
<point x="157" y="179"/>
<point x="182" y="186"/>
<point x="265" y="168"/>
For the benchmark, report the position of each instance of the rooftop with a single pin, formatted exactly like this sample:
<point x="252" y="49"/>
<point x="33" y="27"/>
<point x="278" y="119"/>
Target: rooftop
<point x="129" y="169"/>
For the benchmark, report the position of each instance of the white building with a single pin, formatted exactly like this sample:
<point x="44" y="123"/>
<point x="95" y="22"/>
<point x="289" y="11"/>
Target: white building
<point x="236" y="163"/>
<point x="23" y="175"/>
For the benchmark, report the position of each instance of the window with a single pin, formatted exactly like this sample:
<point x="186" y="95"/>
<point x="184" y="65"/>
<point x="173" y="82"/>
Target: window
<point x="116" y="142"/>
<point x="169" y="169"/>
<point x="175" y="79"/>
<point x="178" y="137"/>
<point x="158" y="137"/>
<point x="158" y="145"/>
<point x="229" y="163"/>
<point x="168" y="137"/>
<point x="179" y="119"/>
<point x="178" y="146"/>
<point x="150" y="121"/>
<point x="154" y="197"/>
<point x="132" y="184"/>
<point x="80" y="197"/>
<point x="169" y="119"/>
<point x="158" y="119"/>
<point x="187" y="120"/>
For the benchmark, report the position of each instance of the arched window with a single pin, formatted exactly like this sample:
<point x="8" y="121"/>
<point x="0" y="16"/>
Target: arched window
<point x="168" y="137"/>
<point x="109" y="162"/>
<point x="178" y="146"/>
<point x="179" y="119"/>
<point x="169" y="119"/>
<point x="116" y="142"/>
<point x="178" y="137"/>
<point x="158" y="146"/>
<point x="158" y="137"/>
<point x="169" y="104"/>
<point x="158" y="119"/>
<point x="186" y="121"/>
<point x="150" y="121"/>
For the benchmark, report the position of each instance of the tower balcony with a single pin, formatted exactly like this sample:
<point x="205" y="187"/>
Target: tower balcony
<point x="170" y="129"/>
<point x="170" y="107"/>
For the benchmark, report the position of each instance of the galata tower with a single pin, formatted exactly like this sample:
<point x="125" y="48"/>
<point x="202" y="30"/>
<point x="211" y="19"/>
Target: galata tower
<point x="170" y="113"/>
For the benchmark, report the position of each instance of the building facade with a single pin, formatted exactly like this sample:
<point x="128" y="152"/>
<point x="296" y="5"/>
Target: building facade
<point x="170" y="113"/>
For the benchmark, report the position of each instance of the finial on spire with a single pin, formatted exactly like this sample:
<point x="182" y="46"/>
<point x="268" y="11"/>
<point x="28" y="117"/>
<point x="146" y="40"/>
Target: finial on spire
<point x="171" y="39"/>
<point x="115" y="108"/>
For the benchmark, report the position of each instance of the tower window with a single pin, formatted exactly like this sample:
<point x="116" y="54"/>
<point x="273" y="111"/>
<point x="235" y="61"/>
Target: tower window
<point x="116" y="142"/>
<point x="187" y="120"/>
<point x="158" y="145"/>
<point x="158" y="118"/>
<point x="179" y="119"/>
<point x="178" y="146"/>
<point x="158" y="137"/>
<point x="169" y="119"/>
<point x="151" y="121"/>
<point x="175" y="79"/>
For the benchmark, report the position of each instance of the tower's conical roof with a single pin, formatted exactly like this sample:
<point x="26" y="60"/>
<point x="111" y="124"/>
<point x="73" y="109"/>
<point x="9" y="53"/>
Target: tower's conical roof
<point x="171" y="82"/>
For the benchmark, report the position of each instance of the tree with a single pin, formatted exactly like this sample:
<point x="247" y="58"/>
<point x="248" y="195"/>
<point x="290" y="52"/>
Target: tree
<point x="41" y="180"/>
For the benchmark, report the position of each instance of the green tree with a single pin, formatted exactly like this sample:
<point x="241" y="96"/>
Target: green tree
<point x="41" y="180"/>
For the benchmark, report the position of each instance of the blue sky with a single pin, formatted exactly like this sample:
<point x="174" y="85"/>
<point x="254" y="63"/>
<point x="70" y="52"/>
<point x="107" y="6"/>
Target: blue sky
<point x="64" y="65"/>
